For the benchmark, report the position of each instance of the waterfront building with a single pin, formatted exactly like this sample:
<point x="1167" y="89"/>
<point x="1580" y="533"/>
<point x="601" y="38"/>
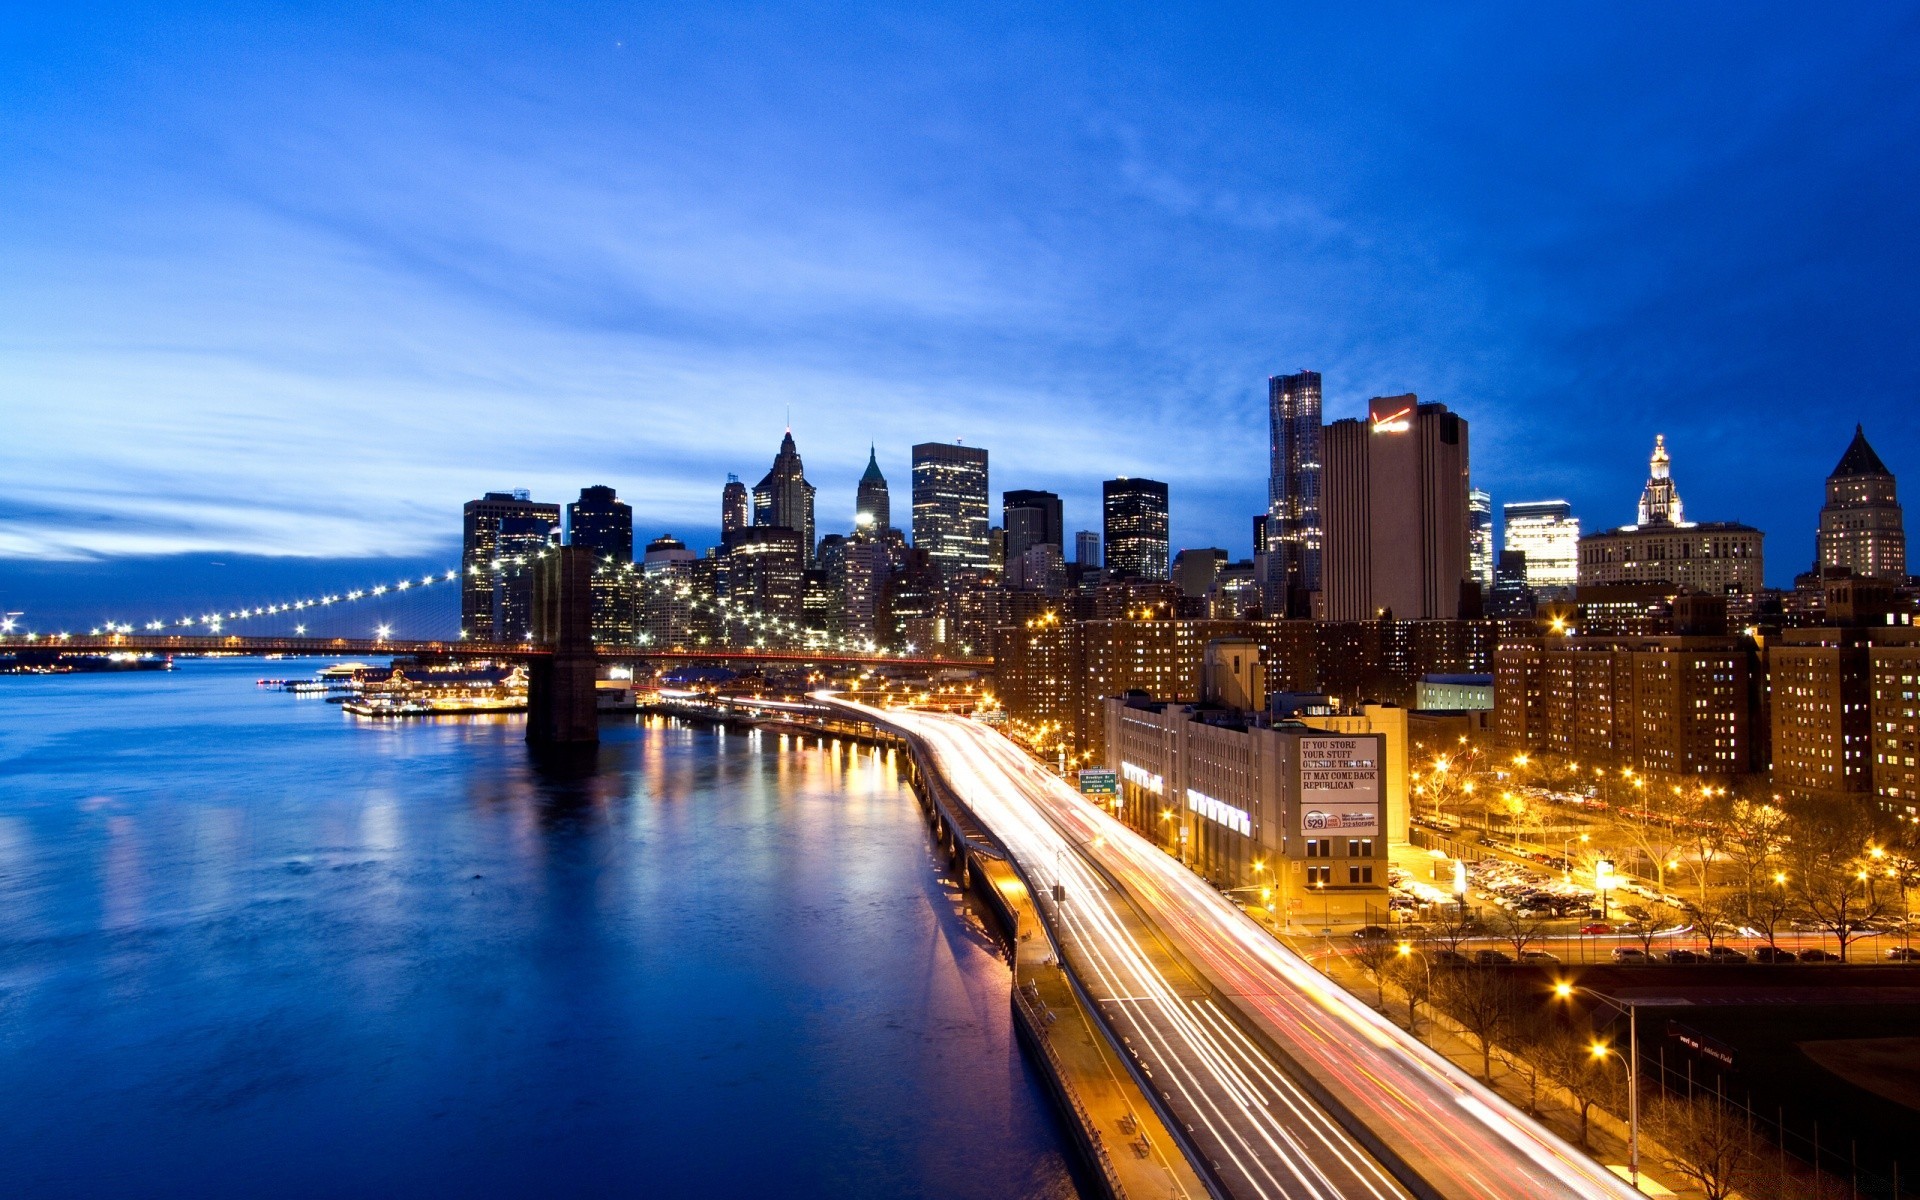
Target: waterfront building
<point x="1662" y="547"/>
<point x="666" y="594"/>
<point x="783" y="499"/>
<point x="1135" y="527"/>
<point x="1548" y="533"/>
<point x="1195" y="570"/>
<point x="871" y="508"/>
<point x="1293" y="533"/>
<point x="1481" y="559"/>
<point x="496" y="594"/>
<point x="736" y="510"/>
<point x="1031" y="519"/>
<point x="1086" y="548"/>
<point x="599" y="523"/>
<point x="1862" y="530"/>
<point x="950" y="512"/>
<point x="1395" y="510"/>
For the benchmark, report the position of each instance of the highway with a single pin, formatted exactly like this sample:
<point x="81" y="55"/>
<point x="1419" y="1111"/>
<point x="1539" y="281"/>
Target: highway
<point x="1264" y="1134"/>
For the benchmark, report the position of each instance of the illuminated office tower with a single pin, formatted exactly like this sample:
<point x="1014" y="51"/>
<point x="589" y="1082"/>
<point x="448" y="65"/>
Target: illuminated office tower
<point x="735" y="509"/>
<point x="1394" y="505"/>
<point x="1480" y="557"/>
<point x="1135" y="527"/>
<point x="601" y="524"/>
<point x="484" y="577"/>
<point x="950" y="513"/>
<point x="872" y="509"/>
<point x="1861" y="527"/>
<point x="1716" y="557"/>
<point x="1293" y="493"/>
<point x="1548" y="533"/>
<point x="783" y="499"/>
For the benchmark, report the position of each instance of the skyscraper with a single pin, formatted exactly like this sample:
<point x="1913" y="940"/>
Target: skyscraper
<point x="735" y="512"/>
<point x="1395" y="507"/>
<point x="1086" y="548"/>
<point x="1135" y="527"/>
<point x="601" y="524"/>
<point x="1548" y="533"/>
<point x="1031" y="519"/>
<point x="1480" y="560"/>
<point x="783" y="499"/>
<point x="1293" y="493"/>
<point x="950" y="516"/>
<point x="1861" y="527"/>
<point x="871" y="507"/>
<point x="484" y="576"/>
<point x="1716" y="557"/>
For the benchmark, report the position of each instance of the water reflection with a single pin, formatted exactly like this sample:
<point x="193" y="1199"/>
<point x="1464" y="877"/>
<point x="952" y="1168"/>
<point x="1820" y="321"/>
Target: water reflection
<point x="294" y="955"/>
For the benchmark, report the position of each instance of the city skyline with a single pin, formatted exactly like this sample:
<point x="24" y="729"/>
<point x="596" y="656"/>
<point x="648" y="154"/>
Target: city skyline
<point x="439" y="336"/>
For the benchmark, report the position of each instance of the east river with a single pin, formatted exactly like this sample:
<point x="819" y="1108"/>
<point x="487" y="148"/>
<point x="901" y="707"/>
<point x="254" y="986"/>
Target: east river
<point x="250" y="946"/>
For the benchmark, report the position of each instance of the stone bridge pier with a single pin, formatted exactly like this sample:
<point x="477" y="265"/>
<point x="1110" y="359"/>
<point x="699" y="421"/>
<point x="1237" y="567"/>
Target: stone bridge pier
<point x="562" y="706"/>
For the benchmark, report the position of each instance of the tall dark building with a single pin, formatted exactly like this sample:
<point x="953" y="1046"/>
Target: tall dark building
<point x="766" y="574"/>
<point x="1293" y="493"/>
<point x="488" y="581"/>
<point x="784" y="498"/>
<point x="1861" y="526"/>
<point x="1031" y="519"/>
<point x="872" y="509"/>
<point x="950" y="514"/>
<point x="1135" y="518"/>
<point x="736" y="511"/>
<point x="603" y="526"/>
<point x="1395" y="509"/>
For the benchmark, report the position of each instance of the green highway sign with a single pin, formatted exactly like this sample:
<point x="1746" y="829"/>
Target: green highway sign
<point x="1099" y="781"/>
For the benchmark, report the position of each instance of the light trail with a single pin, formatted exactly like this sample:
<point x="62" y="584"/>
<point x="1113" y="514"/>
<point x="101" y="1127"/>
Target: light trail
<point x="1250" y="1115"/>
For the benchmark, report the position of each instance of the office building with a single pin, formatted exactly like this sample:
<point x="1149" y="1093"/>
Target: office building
<point x="1394" y="504"/>
<point x="599" y="523"/>
<point x="1861" y="527"/>
<point x="1135" y="528"/>
<point x="736" y="509"/>
<point x="766" y="575"/>
<point x="784" y="498"/>
<point x="1718" y="557"/>
<point x="496" y="591"/>
<point x="950" y="510"/>
<point x="1086" y="548"/>
<point x="1195" y="570"/>
<point x="1039" y="569"/>
<point x="666" y="605"/>
<point x="864" y="570"/>
<point x="1031" y="519"/>
<point x="1293" y="533"/>
<point x="1481" y="559"/>
<point x="871" y="508"/>
<point x="1548" y="533"/>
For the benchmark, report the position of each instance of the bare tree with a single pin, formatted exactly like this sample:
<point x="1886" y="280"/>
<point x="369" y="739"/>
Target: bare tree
<point x="1650" y="830"/>
<point x="1377" y="957"/>
<point x="1567" y="1058"/>
<point x="1413" y="972"/>
<point x="1486" y="1003"/>
<point x="1450" y="931"/>
<point x="1831" y="871"/>
<point x="1707" y="1140"/>
<point x="1515" y="930"/>
<point x="1649" y="918"/>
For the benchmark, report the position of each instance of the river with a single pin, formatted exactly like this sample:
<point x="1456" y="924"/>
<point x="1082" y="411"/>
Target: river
<point x="251" y="946"/>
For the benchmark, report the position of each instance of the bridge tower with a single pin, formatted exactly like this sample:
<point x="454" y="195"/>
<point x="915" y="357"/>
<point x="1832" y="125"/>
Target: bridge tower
<point x="561" y="704"/>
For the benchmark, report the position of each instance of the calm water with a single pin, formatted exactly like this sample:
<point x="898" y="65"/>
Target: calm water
<point x="248" y="947"/>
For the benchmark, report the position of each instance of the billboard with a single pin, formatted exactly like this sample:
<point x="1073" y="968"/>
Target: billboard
<point x="1340" y="785"/>
<point x="1099" y="781"/>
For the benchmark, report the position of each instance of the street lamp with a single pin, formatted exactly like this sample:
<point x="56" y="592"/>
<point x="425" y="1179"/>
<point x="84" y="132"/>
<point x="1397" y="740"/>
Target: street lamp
<point x="1566" y="855"/>
<point x="1564" y="991"/>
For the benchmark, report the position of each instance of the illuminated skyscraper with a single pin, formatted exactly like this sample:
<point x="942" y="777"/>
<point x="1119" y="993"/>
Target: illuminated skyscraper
<point x="735" y="511"/>
<point x="1548" y="533"/>
<point x="784" y="498"/>
<point x="1293" y="493"/>
<point x="1032" y="519"/>
<point x="485" y="576"/>
<point x="601" y="524"/>
<point x="872" y="509"/>
<point x="1716" y="557"/>
<point x="1395" y="506"/>
<point x="1480" y="560"/>
<point x="950" y="513"/>
<point x="1861" y="526"/>
<point x="1135" y="520"/>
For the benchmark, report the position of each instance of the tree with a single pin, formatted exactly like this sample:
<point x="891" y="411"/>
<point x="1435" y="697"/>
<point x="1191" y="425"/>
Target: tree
<point x="1830" y="869"/>
<point x="1517" y="931"/>
<point x="1450" y="931"/>
<point x="1707" y="1140"/>
<point x="1649" y="918"/>
<point x="1755" y="838"/>
<point x="1653" y="832"/>
<point x="1486" y="1003"/>
<point x="1567" y="1058"/>
<point x="1414" y="973"/>
<point x="1377" y="957"/>
<point x="1449" y="778"/>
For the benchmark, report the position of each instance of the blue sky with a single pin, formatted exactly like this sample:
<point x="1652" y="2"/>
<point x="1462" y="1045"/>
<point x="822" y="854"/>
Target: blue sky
<point x="297" y="281"/>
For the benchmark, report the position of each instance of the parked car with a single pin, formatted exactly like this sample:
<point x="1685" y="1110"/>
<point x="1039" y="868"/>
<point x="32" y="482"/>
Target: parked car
<point x="1629" y="954"/>
<point x="1491" y="958"/>
<point x="1725" y="954"/>
<point x="1818" y="955"/>
<point x="1372" y="933"/>
<point x="1772" y="954"/>
<point x="1538" y="956"/>
<point x="1450" y="958"/>
<point x="1596" y="928"/>
<point x="1681" y="956"/>
<point x="1903" y="954"/>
